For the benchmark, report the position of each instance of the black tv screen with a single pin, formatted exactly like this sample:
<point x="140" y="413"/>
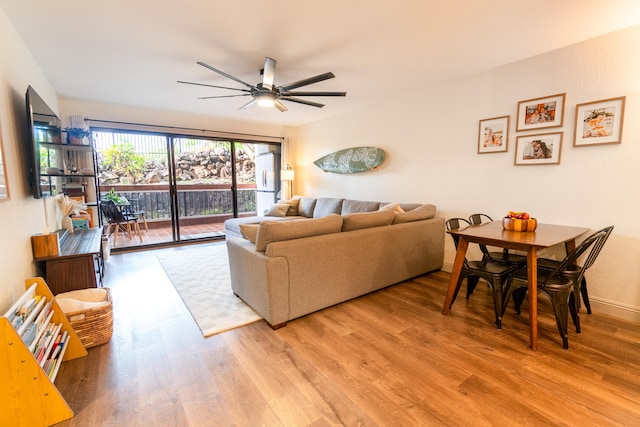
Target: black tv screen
<point x="42" y="122"/>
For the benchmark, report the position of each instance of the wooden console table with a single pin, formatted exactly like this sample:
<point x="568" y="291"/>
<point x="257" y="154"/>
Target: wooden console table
<point x="78" y="265"/>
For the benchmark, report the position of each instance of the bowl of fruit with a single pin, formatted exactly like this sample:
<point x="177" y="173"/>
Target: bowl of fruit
<point x="519" y="221"/>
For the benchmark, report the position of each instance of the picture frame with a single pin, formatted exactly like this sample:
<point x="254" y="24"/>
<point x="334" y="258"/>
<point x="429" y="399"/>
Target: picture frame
<point x="539" y="113"/>
<point x="493" y="135"/>
<point x="538" y="149"/>
<point x="599" y="122"/>
<point x="4" y="184"/>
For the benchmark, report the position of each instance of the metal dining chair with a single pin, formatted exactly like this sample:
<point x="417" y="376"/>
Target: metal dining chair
<point x="117" y="221"/>
<point x="494" y="273"/>
<point x="558" y="284"/>
<point x="503" y="256"/>
<point x="577" y="272"/>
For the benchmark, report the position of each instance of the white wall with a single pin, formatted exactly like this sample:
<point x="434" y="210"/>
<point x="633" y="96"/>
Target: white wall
<point x="22" y="215"/>
<point x="431" y="137"/>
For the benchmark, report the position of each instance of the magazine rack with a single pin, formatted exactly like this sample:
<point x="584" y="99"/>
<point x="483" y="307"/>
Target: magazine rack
<point x="29" y="396"/>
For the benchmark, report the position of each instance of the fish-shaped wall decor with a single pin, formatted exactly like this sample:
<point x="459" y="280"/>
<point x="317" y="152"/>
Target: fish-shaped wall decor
<point x="352" y="160"/>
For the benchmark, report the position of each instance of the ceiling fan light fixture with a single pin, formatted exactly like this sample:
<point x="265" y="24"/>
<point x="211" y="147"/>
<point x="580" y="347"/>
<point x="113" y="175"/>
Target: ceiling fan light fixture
<point x="266" y="99"/>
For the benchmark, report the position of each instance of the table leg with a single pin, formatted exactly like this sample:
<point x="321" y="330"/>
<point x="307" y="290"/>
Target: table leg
<point x="461" y="252"/>
<point x="532" y="287"/>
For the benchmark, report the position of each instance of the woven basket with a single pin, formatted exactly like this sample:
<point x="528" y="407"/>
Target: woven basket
<point x="94" y="326"/>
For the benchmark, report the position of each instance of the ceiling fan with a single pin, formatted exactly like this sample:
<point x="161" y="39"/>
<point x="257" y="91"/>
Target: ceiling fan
<point x="266" y="94"/>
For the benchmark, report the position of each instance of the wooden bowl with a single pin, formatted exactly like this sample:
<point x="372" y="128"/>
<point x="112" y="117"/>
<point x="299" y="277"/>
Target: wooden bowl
<point x="515" y="224"/>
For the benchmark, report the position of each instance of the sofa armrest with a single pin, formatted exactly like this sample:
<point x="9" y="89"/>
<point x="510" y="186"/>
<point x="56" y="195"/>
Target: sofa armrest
<point x="261" y="281"/>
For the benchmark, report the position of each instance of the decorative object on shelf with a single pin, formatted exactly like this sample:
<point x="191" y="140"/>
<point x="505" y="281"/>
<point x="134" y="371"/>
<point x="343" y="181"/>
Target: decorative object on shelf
<point x="352" y="160"/>
<point x="599" y="122"/>
<point x="540" y="149"/>
<point x="69" y="207"/>
<point x="540" y="113"/>
<point x="519" y="221"/>
<point x="77" y="131"/>
<point x="493" y="135"/>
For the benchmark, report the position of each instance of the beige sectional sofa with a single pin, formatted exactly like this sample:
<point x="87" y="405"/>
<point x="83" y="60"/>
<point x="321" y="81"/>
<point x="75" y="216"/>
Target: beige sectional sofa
<point x="327" y="250"/>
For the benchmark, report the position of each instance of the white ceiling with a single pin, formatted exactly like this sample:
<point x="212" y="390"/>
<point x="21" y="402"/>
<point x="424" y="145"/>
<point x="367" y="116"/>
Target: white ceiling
<point x="132" y="52"/>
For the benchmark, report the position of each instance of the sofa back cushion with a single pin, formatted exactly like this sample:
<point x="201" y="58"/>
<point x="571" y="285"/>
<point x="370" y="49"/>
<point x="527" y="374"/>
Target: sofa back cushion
<point x="351" y="206"/>
<point x="358" y="220"/>
<point x="425" y="211"/>
<point x="306" y="206"/>
<point x="327" y="206"/>
<point x="276" y="231"/>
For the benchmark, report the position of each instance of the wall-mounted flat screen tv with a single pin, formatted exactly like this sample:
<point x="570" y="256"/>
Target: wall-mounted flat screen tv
<point x="44" y="127"/>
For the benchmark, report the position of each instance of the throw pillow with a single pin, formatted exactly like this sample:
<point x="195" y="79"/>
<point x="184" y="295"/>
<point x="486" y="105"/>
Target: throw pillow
<point x="425" y="211"/>
<point x="358" y="220"/>
<point x="293" y="206"/>
<point x="276" y="231"/>
<point x="279" y="209"/>
<point x="394" y="207"/>
<point x="306" y="206"/>
<point x="326" y="206"/>
<point x="249" y="231"/>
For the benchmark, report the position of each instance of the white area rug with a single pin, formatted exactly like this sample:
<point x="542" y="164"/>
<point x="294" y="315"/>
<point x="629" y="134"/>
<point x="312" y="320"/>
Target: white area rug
<point x="200" y="274"/>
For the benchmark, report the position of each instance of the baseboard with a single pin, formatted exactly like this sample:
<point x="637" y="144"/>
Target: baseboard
<point x="598" y="305"/>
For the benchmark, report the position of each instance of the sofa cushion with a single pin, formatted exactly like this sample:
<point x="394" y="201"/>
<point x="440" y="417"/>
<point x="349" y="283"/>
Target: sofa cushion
<point x="249" y="231"/>
<point x="358" y="220"/>
<point x="278" y="209"/>
<point x="425" y="211"/>
<point x="394" y="207"/>
<point x="306" y="206"/>
<point x="351" y="206"/>
<point x="275" y="231"/>
<point x="293" y="205"/>
<point x="327" y="206"/>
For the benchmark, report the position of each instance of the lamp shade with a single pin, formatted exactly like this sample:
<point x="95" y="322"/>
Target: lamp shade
<point x="286" y="174"/>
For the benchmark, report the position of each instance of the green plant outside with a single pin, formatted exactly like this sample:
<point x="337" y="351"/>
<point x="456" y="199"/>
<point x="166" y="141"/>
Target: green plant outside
<point x="123" y="160"/>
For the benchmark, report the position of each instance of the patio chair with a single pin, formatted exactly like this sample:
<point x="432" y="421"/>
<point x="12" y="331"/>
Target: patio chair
<point x="118" y="220"/>
<point x="494" y="273"/>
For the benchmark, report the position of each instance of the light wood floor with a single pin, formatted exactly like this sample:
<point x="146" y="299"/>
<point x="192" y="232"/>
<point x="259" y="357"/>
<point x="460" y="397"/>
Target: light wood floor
<point x="386" y="359"/>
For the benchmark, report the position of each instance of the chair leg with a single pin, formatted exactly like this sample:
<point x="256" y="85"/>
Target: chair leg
<point x="559" y="301"/>
<point x="585" y="295"/>
<point x="472" y="282"/>
<point x="497" y="300"/>
<point x="574" y="310"/>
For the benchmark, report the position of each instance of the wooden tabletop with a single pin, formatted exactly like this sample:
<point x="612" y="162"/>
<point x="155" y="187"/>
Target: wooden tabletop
<point x="545" y="236"/>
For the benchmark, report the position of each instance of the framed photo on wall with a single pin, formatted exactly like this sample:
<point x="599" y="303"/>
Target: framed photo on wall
<point x="539" y="149"/>
<point x="493" y="135"/>
<point x="541" y="113"/>
<point x="599" y="122"/>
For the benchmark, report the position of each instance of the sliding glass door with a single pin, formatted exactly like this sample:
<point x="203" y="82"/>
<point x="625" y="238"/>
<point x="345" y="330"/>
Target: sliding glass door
<point x="186" y="186"/>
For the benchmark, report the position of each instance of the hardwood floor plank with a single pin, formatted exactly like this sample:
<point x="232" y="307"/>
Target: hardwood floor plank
<point x="386" y="359"/>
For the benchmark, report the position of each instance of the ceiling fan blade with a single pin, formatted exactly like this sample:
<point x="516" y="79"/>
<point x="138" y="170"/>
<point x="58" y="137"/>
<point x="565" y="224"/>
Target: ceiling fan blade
<point x="249" y="104"/>
<point x="313" y="93"/>
<point x="223" y="96"/>
<point x="307" y="81"/>
<point x="302" y="101"/>
<point x="280" y="106"/>
<point x="268" y="73"/>
<point x="229" y="76"/>
<point x="218" y="87"/>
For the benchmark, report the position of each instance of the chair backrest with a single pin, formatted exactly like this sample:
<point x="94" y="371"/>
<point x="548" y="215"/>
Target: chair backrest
<point x="454" y="223"/>
<point x="479" y="218"/>
<point x="572" y="257"/>
<point x="111" y="212"/>
<point x="604" y="235"/>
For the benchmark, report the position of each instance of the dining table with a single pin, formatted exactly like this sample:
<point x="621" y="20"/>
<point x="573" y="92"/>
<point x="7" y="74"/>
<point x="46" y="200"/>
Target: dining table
<point x="493" y="234"/>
